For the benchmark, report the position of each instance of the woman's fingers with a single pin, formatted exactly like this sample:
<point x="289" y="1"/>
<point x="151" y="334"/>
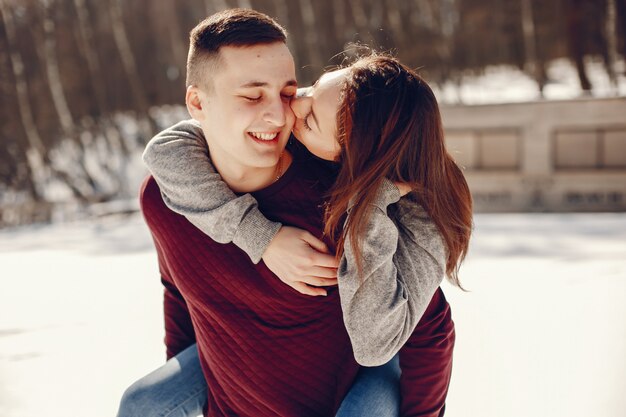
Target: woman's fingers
<point x="305" y="289"/>
<point x="301" y="261"/>
<point x="314" y="242"/>
<point x="319" y="281"/>
<point x="323" y="260"/>
<point x="318" y="271"/>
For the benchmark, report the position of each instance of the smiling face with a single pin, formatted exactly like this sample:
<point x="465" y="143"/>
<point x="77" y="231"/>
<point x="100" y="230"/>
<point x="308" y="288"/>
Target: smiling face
<point x="316" y="112"/>
<point x="245" y="113"/>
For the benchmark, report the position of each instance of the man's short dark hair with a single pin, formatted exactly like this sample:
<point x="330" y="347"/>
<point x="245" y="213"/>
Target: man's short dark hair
<point x="232" y="27"/>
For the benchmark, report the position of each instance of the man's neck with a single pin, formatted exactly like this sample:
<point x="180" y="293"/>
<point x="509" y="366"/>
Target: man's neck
<point x="242" y="179"/>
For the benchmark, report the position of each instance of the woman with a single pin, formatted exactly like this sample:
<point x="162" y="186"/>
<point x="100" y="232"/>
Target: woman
<point x="380" y="121"/>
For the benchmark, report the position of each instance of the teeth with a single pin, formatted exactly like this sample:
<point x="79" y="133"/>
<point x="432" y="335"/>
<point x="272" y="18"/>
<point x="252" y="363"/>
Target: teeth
<point x="264" y="136"/>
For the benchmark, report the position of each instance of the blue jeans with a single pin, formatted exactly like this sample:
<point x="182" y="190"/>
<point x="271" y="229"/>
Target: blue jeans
<point x="178" y="389"/>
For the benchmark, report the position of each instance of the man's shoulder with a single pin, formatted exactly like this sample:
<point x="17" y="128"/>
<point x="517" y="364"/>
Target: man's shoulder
<point x="148" y="188"/>
<point x="150" y="199"/>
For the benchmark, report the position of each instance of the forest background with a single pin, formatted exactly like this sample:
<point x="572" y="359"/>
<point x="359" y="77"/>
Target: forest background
<point x="84" y="83"/>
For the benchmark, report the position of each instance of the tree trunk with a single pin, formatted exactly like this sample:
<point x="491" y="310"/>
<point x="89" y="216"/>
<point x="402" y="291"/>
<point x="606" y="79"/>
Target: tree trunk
<point x="528" y="29"/>
<point x="103" y="124"/>
<point x="52" y="71"/>
<point x="209" y="7"/>
<point x="360" y="17"/>
<point x="339" y="18"/>
<point x="128" y="62"/>
<point x="621" y="19"/>
<point x="31" y="185"/>
<point x="377" y="15"/>
<point x="220" y="5"/>
<point x="610" y="29"/>
<point x="86" y="42"/>
<point x="576" y="38"/>
<point x="375" y="24"/>
<point x="166" y="17"/>
<point x="60" y="102"/>
<point x="422" y="14"/>
<point x="282" y="15"/>
<point x="394" y="17"/>
<point x="36" y="151"/>
<point x="311" y="38"/>
<point x="447" y="29"/>
<point x="244" y="4"/>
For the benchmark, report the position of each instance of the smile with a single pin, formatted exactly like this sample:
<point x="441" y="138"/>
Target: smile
<point x="264" y="136"/>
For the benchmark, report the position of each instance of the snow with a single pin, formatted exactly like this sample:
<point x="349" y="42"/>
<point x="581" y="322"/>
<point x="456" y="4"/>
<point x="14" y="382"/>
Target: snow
<point x="506" y="84"/>
<point x="541" y="333"/>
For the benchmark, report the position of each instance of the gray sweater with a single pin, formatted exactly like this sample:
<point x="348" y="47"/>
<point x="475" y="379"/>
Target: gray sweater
<point x="404" y="255"/>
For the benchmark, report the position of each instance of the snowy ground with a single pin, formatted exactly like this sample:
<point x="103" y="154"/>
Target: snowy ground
<point x="541" y="334"/>
<point x="507" y="84"/>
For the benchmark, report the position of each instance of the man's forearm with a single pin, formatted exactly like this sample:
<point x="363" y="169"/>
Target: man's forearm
<point x="179" y="160"/>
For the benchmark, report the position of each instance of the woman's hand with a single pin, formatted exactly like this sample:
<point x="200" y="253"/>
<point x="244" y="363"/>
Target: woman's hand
<point x="404" y="188"/>
<point x="301" y="261"/>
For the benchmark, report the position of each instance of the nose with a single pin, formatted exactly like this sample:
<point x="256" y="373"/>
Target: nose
<point x="275" y="112"/>
<point x="301" y="105"/>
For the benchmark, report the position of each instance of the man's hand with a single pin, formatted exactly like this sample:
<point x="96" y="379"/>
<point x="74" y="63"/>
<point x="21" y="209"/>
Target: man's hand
<point x="301" y="261"/>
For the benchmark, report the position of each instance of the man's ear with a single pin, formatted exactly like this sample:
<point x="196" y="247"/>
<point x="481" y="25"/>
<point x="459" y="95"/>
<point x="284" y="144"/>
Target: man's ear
<point x="194" y="102"/>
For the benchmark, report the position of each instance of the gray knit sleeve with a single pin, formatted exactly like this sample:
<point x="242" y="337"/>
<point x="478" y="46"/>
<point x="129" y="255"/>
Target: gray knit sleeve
<point x="403" y="265"/>
<point x="178" y="158"/>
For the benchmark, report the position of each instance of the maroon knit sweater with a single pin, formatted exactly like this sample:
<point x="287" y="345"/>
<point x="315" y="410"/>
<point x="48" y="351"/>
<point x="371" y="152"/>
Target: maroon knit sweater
<point x="265" y="349"/>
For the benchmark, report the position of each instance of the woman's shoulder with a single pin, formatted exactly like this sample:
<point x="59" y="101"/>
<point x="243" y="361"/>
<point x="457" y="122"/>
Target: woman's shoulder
<point x="410" y="207"/>
<point x="415" y="224"/>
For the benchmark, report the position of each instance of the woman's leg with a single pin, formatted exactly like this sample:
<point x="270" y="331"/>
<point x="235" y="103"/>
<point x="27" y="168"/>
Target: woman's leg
<point x="177" y="389"/>
<point x="375" y="392"/>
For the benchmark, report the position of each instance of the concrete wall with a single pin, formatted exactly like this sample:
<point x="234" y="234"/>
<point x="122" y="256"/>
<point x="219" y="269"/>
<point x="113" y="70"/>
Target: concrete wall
<point x="542" y="156"/>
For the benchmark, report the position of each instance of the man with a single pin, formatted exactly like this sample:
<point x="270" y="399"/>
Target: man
<point x="264" y="349"/>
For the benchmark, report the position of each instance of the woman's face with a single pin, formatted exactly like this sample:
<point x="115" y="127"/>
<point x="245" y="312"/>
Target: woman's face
<point x="316" y="115"/>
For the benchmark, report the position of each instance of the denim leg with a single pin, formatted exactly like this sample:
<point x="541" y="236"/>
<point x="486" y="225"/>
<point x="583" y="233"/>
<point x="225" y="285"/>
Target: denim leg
<point x="176" y="389"/>
<point x="375" y="392"/>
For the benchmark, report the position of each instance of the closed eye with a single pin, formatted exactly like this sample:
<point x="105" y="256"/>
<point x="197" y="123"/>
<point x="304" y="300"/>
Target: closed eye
<point x="305" y="122"/>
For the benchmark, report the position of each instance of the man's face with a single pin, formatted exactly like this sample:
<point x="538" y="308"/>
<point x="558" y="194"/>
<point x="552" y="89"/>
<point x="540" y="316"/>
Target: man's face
<point x="316" y="111"/>
<point x="245" y="115"/>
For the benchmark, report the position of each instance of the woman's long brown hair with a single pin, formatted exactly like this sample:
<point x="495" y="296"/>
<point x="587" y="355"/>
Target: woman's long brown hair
<point x="389" y="126"/>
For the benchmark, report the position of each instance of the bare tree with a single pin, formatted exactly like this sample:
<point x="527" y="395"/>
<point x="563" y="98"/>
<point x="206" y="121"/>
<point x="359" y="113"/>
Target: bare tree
<point x="610" y="29"/>
<point x="282" y="14"/>
<point x="394" y="16"/>
<point x="77" y="177"/>
<point x="102" y="124"/>
<point x="575" y="37"/>
<point x="209" y="7"/>
<point x="340" y="21"/>
<point x="244" y="4"/>
<point x="86" y="45"/>
<point x="528" y="28"/>
<point x="360" y="17"/>
<point x="61" y="74"/>
<point x="52" y="69"/>
<point x="377" y="15"/>
<point x="36" y="151"/>
<point x="171" y="23"/>
<point x="219" y="4"/>
<point x="311" y="38"/>
<point x="122" y="43"/>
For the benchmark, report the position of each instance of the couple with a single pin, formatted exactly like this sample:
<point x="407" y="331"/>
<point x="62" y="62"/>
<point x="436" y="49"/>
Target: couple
<point x="374" y="182"/>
